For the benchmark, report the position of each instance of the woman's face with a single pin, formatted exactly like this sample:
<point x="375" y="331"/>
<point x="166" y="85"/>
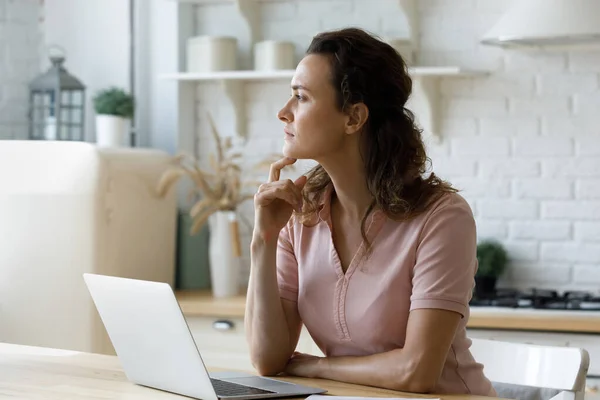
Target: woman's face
<point x="314" y="126"/>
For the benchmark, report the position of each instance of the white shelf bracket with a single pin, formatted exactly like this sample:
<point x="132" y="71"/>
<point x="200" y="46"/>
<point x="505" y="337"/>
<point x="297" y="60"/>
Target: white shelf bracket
<point x="425" y="103"/>
<point x="234" y="91"/>
<point x="249" y="10"/>
<point x="412" y="18"/>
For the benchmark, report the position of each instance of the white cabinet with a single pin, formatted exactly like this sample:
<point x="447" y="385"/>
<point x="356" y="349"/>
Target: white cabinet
<point x="592" y="389"/>
<point x="222" y="342"/>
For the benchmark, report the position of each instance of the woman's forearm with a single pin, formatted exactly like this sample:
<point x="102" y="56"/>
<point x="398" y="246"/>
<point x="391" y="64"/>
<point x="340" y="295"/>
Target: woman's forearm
<point x="395" y="369"/>
<point x="267" y="329"/>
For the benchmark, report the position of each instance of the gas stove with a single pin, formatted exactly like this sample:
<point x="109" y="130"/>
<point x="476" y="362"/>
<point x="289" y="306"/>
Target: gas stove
<point x="539" y="299"/>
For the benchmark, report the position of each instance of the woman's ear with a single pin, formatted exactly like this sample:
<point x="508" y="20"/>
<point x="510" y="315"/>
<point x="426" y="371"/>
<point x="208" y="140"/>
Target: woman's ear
<point x="357" y="117"/>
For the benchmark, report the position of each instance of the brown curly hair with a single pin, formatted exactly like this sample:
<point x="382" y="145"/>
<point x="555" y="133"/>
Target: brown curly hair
<point x="366" y="69"/>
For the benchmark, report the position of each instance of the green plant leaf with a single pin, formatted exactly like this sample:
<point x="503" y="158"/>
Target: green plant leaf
<point x="492" y="259"/>
<point x="114" y="101"/>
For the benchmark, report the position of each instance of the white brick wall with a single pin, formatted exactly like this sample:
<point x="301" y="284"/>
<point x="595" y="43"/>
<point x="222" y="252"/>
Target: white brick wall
<point x="588" y="231"/>
<point x="523" y="143"/>
<point x="543" y="147"/>
<point x="543" y="188"/>
<point x="540" y="230"/>
<point x="20" y="41"/>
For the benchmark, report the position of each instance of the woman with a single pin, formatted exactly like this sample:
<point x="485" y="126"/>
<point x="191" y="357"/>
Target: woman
<point x="378" y="261"/>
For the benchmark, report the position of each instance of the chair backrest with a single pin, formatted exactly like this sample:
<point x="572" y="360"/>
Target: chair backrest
<point x="562" y="368"/>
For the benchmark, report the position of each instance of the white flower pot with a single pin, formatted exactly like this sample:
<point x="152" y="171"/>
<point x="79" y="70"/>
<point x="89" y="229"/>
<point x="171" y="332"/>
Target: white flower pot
<point x="111" y="131"/>
<point x="224" y="254"/>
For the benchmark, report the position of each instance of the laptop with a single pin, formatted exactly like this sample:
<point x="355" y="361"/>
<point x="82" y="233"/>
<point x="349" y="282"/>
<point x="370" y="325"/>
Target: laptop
<point x="156" y="348"/>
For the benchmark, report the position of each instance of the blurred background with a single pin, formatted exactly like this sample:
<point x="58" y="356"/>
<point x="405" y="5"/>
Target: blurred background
<point x="112" y="114"/>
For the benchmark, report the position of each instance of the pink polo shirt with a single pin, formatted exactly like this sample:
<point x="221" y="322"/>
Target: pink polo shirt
<point x="428" y="262"/>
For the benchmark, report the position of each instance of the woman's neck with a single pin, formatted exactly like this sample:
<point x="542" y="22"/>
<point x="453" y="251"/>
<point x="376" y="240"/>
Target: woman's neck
<point x="347" y="173"/>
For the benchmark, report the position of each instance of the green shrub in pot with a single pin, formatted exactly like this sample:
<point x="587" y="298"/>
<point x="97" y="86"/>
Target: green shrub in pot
<point x="114" y="110"/>
<point x="492" y="259"/>
<point x="114" y="101"/>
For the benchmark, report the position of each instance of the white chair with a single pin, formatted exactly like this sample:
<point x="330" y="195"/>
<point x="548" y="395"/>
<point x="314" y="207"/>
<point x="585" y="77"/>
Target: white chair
<point x="530" y="367"/>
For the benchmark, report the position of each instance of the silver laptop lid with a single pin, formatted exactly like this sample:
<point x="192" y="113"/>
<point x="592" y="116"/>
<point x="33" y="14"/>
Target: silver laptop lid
<point x="150" y="335"/>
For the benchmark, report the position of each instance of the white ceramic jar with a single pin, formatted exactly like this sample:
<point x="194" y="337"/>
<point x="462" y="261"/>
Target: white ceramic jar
<point x="274" y="55"/>
<point x="211" y="53"/>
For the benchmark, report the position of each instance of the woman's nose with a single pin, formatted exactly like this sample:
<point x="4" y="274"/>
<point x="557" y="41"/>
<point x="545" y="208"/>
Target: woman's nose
<point x="284" y="114"/>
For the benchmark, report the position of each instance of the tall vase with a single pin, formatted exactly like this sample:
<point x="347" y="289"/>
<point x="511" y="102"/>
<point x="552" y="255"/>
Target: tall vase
<point x="224" y="254"/>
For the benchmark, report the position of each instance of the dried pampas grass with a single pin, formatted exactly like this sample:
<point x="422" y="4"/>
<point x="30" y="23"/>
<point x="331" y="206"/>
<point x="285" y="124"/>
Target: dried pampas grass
<point x="220" y="189"/>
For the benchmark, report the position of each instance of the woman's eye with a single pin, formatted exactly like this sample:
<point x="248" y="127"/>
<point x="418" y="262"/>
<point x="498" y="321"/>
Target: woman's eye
<point x="298" y="97"/>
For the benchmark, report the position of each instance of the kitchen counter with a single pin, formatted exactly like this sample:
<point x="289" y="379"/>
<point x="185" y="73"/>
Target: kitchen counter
<point x="201" y="303"/>
<point x="535" y="320"/>
<point x="42" y="373"/>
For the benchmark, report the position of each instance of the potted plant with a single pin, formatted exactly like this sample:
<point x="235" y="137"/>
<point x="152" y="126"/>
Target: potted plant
<point x="114" y="110"/>
<point x="218" y="192"/>
<point x="492" y="259"/>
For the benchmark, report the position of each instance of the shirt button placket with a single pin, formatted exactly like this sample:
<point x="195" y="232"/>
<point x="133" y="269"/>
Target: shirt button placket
<point x="342" y="309"/>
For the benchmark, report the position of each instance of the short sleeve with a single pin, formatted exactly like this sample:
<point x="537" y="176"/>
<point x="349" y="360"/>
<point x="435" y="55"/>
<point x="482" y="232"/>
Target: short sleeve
<point x="446" y="259"/>
<point x="287" y="266"/>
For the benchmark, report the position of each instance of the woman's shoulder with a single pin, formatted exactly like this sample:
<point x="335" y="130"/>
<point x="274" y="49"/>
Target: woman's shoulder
<point x="451" y="209"/>
<point x="449" y="205"/>
<point x="451" y="200"/>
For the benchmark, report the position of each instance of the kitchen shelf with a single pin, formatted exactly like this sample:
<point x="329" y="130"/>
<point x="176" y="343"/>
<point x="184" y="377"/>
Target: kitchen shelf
<point x="231" y="75"/>
<point x="251" y="75"/>
<point x="203" y="2"/>
<point x="424" y="102"/>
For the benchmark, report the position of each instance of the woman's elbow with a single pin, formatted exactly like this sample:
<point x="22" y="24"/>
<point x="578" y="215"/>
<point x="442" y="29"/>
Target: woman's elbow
<point x="267" y="370"/>
<point x="413" y="384"/>
<point x="420" y="385"/>
<point x="419" y="377"/>
<point x="266" y="367"/>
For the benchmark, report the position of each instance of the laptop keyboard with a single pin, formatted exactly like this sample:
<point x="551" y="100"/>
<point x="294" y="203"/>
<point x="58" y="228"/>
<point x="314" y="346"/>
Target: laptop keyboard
<point x="227" y="389"/>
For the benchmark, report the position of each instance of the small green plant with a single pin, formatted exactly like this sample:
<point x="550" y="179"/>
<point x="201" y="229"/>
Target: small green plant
<point x="114" y="101"/>
<point x="492" y="258"/>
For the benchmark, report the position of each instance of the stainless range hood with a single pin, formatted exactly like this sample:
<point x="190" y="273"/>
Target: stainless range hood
<point x="547" y="24"/>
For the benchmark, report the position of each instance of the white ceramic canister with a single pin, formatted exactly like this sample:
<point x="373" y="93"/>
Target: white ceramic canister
<point x="274" y="55"/>
<point x="211" y="53"/>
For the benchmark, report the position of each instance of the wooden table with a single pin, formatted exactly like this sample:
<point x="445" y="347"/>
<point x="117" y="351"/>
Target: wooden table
<point x="50" y="374"/>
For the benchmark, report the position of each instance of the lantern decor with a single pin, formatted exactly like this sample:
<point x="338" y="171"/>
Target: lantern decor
<point x="56" y="104"/>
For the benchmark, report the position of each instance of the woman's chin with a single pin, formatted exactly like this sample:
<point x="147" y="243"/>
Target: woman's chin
<point x="291" y="152"/>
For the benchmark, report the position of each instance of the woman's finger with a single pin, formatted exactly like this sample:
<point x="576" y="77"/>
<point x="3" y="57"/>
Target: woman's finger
<point x="269" y="195"/>
<point x="277" y="166"/>
<point x="287" y="185"/>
